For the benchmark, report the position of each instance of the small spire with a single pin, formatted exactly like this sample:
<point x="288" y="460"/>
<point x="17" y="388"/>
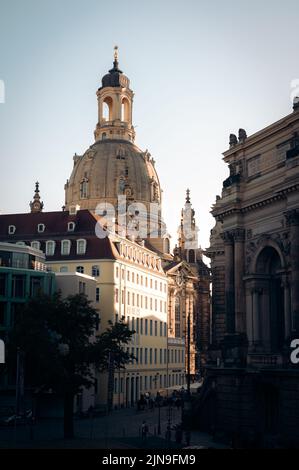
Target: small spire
<point x="115" y="63"/>
<point x="36" y="205"/>
<point x="188" y="200"/>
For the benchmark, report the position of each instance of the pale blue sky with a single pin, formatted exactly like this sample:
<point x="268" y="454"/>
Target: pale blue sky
<point x="199" y="70"/>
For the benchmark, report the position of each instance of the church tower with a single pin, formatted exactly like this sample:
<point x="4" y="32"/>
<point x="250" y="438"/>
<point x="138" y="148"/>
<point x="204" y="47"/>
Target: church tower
<point x="115" y="105"/>
<point x="188" y="248"/>
<point x="36" y="205"/>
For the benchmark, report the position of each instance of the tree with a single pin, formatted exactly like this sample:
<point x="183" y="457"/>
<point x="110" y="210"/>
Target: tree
<point x="62" y="348"/>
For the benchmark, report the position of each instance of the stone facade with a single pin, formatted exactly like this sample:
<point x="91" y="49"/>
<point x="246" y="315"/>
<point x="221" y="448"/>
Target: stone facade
<point x="254" y="255"/>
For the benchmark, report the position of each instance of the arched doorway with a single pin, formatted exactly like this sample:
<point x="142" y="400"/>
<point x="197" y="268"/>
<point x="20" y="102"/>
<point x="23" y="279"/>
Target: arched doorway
<point x="271" y="301"/>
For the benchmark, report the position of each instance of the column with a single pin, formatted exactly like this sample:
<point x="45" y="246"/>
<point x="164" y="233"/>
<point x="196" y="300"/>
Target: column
<point x="287" y="308"/>
<point x="229" y="282"/>
<point x="293" y="222"/>
<point x="256" y="316"/>
<point x="239" y="267"/>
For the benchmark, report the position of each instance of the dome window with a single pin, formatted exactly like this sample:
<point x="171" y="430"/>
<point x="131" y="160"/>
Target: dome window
<point x="11" y="230"/>
<point x="71" y="226"/>
<point x="41" y="228"/>
<point x="84" y="188"/>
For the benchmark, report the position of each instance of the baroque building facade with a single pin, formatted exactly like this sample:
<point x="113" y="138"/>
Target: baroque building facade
<point x="254" y="253"/>
<point x="111" y="228"/>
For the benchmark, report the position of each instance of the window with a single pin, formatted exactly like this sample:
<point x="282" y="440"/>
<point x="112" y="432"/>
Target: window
<point x="156" y="285"/>
<point x="11" y="229"/>
<point x="145" y="383"/>
<point x="140" y="356"/>
<point x="128" y="275"/>
<point x="71" y="226"/>
<point x="50" y="248"/>
<point x="145" y="302"/>
<point x="156" y="328"/>
<point x="81" y="247"/>
<point x="145" y="356"/>
<point x="141" y="326"/>
<point x="128" y="298"/>
<point x="82" y="287"/>
<point x="151" y="356"/>
<point x="146" y="326"/>
<point x="123" y="297"/>
<point x="156" y="355"/>
<point x="133" y="323"/>
<point x="65" y="247"/>
<point x="161" y="356"/>
<point x="18" y="286"/>
<point x="137" y="355"/>
<point x="80" y="269"/>
<point x="2" y="314"/>
<point x="137" y="325"/>
<point x="35" y="245"/>
<point x="2" y="284"/>
<point x="116" y="296"/>
<point x="95" y="271"/>
<point x="151" y="327"/>
<point x="41" y="228"/>
<point x="133" y="299"/>
<point x="161" y="328"/>
<point x="35" y="286"/>
<point x="165" y="329"/>
<point x="97" y="294"/>
<point x="63" y="269"/>
<point x="84" y="189"/>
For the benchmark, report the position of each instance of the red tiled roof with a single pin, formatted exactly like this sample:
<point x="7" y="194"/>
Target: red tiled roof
<point x="56" y="228"/>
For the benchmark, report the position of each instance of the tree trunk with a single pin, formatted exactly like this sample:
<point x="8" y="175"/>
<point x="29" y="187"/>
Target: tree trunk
<point x="68" y="415"/>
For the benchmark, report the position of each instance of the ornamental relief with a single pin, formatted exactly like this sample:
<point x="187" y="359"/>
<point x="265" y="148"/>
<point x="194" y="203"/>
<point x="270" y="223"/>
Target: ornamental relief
<point x="281" y="239"/>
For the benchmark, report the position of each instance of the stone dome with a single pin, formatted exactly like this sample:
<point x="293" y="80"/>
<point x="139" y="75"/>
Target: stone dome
<point x="110" y="168"/>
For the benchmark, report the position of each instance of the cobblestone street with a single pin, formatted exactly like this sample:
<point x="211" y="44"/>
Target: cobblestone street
<point x="121" y="429"/>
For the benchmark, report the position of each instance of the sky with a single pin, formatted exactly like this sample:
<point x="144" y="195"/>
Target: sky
<point x="200" y="70"/>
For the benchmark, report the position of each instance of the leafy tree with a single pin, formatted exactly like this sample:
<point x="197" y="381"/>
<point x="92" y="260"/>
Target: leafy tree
<point x="62" y="349"/>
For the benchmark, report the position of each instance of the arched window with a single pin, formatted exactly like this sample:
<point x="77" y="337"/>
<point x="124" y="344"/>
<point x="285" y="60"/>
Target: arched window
<point x="166" y="245"/>
<point x="125" y="110"/>
<point x="95" y="272"/>
<point x="84" y="188"/>
<point x="107" y="109"/>
<point x="80" y="269"/>
<point x="81" y="247"/>
<point x="50" y="248"/>
<point x="65" y="247"/>
<point x="71" y="226"/>
<point x="104" y="136"/>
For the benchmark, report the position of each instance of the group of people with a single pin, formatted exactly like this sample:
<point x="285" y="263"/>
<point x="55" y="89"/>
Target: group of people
<point x="148" y="402"/>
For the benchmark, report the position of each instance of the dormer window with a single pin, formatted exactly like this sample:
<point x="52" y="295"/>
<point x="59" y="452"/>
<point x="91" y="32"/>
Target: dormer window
<point x="71" y="226"/>
<point x="11" y="229"/>
<point x="81" y="247"/>
<point x="50" y="248"/>
<point x="35" y="245"/>
<point x="65" y="247"/>
<point x="41" y="228"/>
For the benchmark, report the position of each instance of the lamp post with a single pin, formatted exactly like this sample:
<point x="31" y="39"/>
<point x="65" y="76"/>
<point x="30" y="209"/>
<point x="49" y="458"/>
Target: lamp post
<point x="158" y="401"/>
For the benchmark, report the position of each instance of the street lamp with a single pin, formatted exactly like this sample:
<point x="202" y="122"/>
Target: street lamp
<point x="158" y="400"/>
